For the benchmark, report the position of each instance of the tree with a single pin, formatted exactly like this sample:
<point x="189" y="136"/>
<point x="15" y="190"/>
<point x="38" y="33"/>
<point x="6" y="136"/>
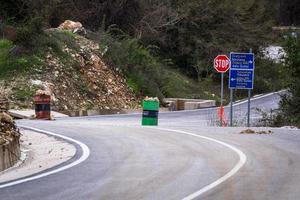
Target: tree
<point x="289" y="12"/>
<point x="207" y="28"/>
<point x="14" y="10"/>
<point x="290" y="103"/>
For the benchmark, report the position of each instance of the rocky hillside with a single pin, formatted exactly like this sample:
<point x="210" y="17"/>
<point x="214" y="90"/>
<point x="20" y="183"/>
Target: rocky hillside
<point x="73" y="72"/>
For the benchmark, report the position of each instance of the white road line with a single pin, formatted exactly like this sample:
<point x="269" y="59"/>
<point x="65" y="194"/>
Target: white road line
<point x="232" y="172"/>
<point x="84" y="156"/>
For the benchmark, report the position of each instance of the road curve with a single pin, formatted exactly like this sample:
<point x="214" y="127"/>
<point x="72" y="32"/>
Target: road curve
<point x="128" y="161"/>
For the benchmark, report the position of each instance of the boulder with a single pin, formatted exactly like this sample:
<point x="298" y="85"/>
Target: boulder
<point x="5" y="118"/>
<point x="70" y="25"/>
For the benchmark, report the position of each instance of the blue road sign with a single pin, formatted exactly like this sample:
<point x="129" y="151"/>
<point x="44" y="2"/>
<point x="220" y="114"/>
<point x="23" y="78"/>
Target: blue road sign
<point x="241" y="79"/>
<point x="241" y="75"/>
<point x="242" y="61"/>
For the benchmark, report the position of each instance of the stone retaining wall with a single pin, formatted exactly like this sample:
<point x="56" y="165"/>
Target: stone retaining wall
<point x="9" y="153"/>
<point x="9" y="138"/>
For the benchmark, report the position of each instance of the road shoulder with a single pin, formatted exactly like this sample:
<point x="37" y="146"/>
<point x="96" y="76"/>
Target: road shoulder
<point x="41" y="152"/>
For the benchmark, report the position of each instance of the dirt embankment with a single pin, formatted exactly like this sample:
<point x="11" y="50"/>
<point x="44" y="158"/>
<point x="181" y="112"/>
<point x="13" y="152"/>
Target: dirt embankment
<point x="74" y="73"/>
<point x="87" y="83"/>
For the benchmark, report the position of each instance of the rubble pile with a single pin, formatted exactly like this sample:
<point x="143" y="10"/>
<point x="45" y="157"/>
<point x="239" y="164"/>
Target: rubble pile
<point x="74" y="75"/>
<point x="8" y="130"/>
<point x="250" y="131"/>
<point x="151" y="98"/>
<point x="86" y="82"/>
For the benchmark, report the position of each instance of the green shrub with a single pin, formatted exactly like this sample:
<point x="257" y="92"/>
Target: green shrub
<point x="30" y="33"/>
<point x="131" y="82"/>
<point x="290" y="104"/>
<point x="175" y="85"/>
<point x="24" y="93"/>
<point x="145" y="72"/>
<point x="269" y="76"/>
<point x="5" y="46"/>
<point x="10" y="64"/>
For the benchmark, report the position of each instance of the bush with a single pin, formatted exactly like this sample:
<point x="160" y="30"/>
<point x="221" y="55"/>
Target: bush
<point x="145" y="73"/>
<point x="269" y="76"/>
<point x="30" y="33"/>
<point x="10" y="64"/>
<point x="290" y="104"/>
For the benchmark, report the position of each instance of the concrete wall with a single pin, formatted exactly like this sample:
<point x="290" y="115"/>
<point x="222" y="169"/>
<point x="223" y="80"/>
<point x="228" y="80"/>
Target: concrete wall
<point x="189" y="104"/>
<point x="9" y="154"/>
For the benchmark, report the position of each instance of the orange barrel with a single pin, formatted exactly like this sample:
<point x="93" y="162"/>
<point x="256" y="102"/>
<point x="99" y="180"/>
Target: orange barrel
<point x="42" y="106"/>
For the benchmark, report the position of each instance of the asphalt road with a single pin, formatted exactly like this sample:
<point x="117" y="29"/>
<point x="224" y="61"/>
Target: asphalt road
<point x="182" y="158"/>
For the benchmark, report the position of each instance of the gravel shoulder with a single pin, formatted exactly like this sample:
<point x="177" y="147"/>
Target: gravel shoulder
<point x="41" y="152"/>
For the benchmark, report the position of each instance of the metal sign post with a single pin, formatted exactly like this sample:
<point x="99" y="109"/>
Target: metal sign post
<point x="241" y="76"/>
<point x="222" y="96"/>
<point x="222" y="88"/>
<point x="249" y="105"/>
<point x="231" y="107"/>
<point x="222" y="65"/>
<point x="249" y="101"/>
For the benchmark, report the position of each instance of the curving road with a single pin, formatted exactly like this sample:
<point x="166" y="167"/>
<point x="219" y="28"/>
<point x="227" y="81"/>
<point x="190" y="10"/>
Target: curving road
<point x="181" y="159"/>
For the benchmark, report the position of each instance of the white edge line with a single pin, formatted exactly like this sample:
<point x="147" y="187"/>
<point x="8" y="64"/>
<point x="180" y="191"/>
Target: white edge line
<point x="232" y="172"/>
<point x="84" y="156"/>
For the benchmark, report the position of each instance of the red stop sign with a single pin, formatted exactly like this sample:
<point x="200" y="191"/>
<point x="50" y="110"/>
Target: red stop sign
<point x="222" y="63"/>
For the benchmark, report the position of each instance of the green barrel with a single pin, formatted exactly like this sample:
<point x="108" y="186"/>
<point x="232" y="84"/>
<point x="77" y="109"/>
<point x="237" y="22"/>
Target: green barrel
<point x="150" y="113"/>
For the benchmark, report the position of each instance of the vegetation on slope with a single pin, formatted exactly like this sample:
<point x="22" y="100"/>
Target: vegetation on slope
<point x="165" y="48"/>
<point x="290" y="104"/>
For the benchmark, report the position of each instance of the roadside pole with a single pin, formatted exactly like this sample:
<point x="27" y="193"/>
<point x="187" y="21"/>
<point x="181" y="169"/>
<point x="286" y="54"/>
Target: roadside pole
<point x="241" y="76"/>
<point x="222" y="96"/>
<point x="249" y="102"/>
<point x="231" y="107"/>
<point x="222" y="65"/>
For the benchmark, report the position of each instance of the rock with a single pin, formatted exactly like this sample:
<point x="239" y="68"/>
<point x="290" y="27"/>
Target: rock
<point x="8" y="130"/>
<point x="151" y="98"/>
<point x="247" y="131"/>
<point x="43" y="92"/>
<point x="70" y="25"/>
<point x="80" y="31"/>
<point x="5" y="118"/>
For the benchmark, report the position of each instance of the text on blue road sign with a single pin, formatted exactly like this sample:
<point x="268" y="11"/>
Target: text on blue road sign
<point x="242" y="61"/>
<point x="241" y="79"/>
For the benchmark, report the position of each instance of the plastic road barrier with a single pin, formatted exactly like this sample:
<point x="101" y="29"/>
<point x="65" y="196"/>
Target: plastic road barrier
<point x="150" y="113"/>
<point x="42" y="106"/>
